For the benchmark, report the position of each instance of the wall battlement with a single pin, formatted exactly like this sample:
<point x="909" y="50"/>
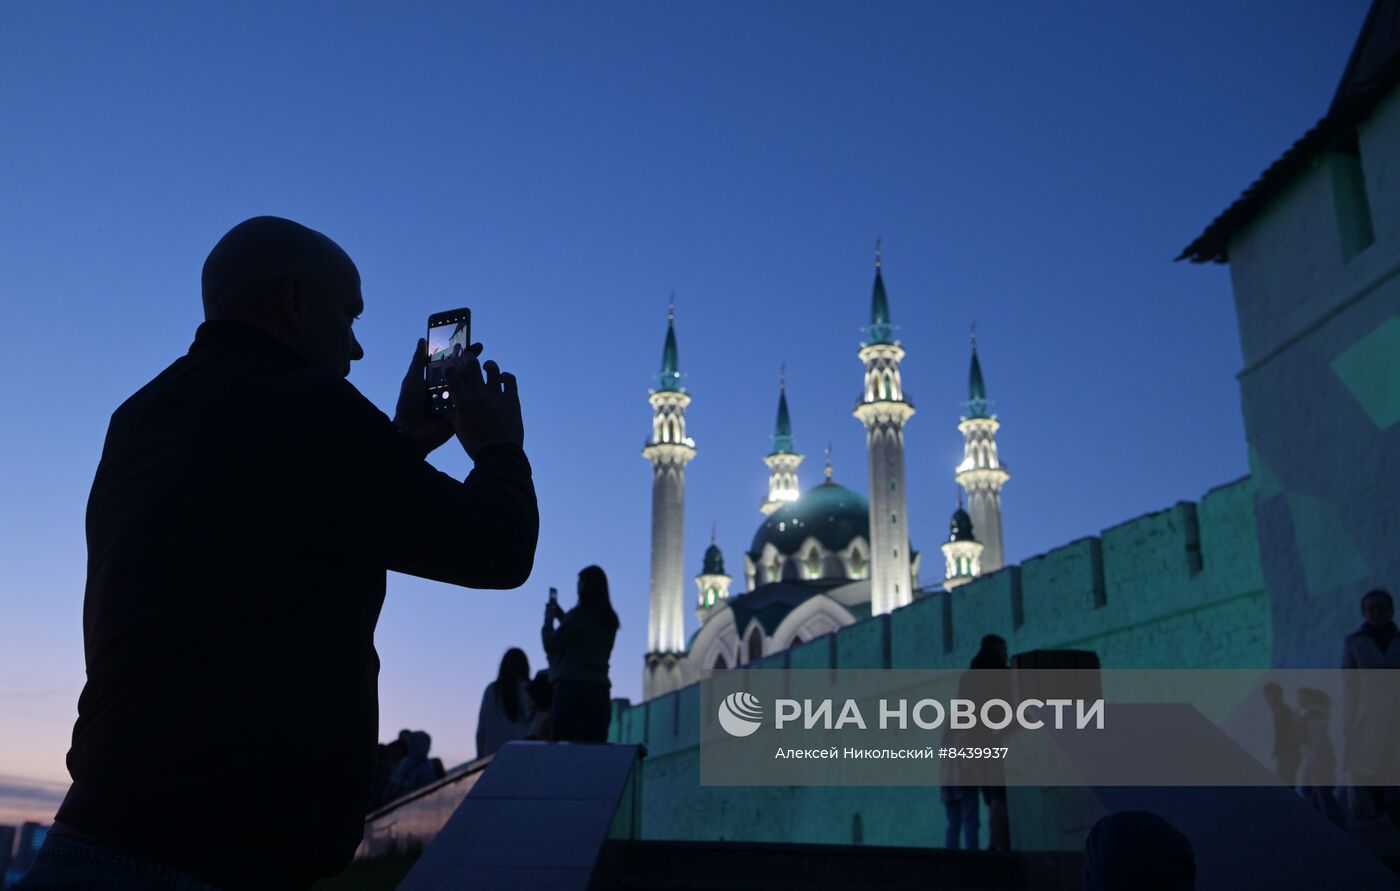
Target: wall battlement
<point x="1177" y="588"/>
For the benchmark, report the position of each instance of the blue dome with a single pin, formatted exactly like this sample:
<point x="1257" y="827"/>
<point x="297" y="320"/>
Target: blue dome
<point x="832" y="514"/>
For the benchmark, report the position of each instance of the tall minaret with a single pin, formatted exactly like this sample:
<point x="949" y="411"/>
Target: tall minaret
<point x="981" y="473"/>
<point x="782" y="462"/>
<point x="668" y="450"/>
<point x="884" y="411"/>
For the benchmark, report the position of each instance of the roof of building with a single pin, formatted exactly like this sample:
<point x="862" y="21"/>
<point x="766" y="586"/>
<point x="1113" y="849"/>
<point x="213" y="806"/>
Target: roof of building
<point x="782" y="430"/>
<point x="670" y="376"/>
<point x="976" y="389"/>
<point x="1372" y="71"/>
<point x="880" y="329"/>
<point x="771" y="603"/>
<point x="831" y="513"/>
<point x="960" y="527"/>
<point x="714" y="560"/>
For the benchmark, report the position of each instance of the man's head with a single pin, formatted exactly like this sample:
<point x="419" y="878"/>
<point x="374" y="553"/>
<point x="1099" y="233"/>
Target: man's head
<point x="291" y="282"/>
<point x="1377" y="607"/>
<point x="1273" y="693"/>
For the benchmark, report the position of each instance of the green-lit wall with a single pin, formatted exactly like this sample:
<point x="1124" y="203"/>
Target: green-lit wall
<point x="1180" y="588"/>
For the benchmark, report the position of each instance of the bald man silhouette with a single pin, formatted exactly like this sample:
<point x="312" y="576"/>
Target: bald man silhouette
<point x="247" y="505"/>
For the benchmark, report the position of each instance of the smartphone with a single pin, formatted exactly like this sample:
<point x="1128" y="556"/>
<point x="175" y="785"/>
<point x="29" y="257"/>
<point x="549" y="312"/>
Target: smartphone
<point x="553" y="595"/>
<point x="448" y="333"/>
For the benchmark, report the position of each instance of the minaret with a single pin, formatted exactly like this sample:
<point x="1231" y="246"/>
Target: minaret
<point x="962" y="551"/>
<point x="884" y="411"/>
<point x="712" y="581"/>
<point x="668" y="450"/>
<point x="981" y="473"/>
<point x="783" y="460"/>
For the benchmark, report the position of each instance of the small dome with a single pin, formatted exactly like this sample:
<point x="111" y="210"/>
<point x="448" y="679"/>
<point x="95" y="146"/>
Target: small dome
<point x="714" y="561"/>
<point x="960" y="528"/>
<point x="832" y="514"/>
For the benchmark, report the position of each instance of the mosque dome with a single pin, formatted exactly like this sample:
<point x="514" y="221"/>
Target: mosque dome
<point x="832" y="514"/>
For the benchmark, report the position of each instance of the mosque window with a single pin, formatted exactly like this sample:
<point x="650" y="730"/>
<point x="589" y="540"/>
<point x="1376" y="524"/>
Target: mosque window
<point x="755" y="646"/>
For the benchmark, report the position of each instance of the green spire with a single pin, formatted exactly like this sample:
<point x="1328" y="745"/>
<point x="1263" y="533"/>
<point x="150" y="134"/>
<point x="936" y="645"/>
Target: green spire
<point x="782" y="432"/>
<point x="714" y="560"/>
<point x="976" y="389"/>
<point x="670" y="376"/>
<point x="880" y="330"/>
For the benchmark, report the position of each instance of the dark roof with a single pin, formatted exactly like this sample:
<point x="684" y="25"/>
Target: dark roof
<point x="772" y="602"/>
<point x="833" y="514"/>
<point x="1374" y="68"/>
<point x="714" y="561"/>
<point x="782" y="431"/>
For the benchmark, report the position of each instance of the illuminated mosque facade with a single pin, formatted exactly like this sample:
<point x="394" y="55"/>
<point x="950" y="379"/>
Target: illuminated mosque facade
<point x="821" y="559"/>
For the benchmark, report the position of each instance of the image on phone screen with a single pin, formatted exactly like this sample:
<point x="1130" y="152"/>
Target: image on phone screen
<point x="449" y="334"/>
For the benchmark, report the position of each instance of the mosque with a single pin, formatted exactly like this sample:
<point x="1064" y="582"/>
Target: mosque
<point x="822" y="559"/>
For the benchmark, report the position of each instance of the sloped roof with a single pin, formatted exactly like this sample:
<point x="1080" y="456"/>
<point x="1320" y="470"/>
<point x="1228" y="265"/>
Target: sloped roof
<point x="1371" y="72"/>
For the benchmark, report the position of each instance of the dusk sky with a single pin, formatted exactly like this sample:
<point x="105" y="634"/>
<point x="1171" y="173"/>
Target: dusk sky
<point x="561" y="169"/>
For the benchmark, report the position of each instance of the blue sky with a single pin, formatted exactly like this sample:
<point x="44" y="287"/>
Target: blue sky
<point x="560" y="169"/>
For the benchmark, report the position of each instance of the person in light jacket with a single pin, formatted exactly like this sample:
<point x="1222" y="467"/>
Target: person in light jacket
<point x="506" y="708"/>
<point x="1371" y="709"/>
<point x="578" y="650"/>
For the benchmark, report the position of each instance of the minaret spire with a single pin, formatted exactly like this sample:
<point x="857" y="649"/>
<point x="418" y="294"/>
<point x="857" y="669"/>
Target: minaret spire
<point x="669" y="378"/>
<point x="783" y="460"/>
<point x="669" y="450"/>
<point x="884" y="410"/>
<point x="879" y="329"/>
<point x="981" y="472"/>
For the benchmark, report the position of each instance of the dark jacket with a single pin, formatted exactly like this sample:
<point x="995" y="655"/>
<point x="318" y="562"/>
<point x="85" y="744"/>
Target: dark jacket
<point x="579" y="649"/>
<point x="244" y="512"/>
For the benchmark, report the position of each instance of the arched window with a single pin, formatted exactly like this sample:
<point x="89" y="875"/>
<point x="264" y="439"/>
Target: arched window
<point x="796" y="639"/>
<point x="719" y="661"/>
<point x="755" y="646"/>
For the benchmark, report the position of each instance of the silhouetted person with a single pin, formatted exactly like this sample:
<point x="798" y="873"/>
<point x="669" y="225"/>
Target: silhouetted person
<point x="247" y="505"/>
<point x="579" y="650"/>
<point x="1286" y="750"/>
<point x="506" y="708"/>
<point x="1318" y="774"/>
<point x="415" y="770"/>
<point x="1138" y="851"/>
<point x="1370" y="712"/>
<point x="983" y="684"/>
<point x="542" y="697"/>
<point x="959" y="802"/>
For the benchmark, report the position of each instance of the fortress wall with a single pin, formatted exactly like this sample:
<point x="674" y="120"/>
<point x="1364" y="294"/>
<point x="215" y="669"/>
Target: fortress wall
<point x="1178" y="588"/>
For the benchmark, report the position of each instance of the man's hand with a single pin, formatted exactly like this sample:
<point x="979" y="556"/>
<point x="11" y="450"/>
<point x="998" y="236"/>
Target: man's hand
<point x="487" y="410"/>
<point x="411" y="415"/>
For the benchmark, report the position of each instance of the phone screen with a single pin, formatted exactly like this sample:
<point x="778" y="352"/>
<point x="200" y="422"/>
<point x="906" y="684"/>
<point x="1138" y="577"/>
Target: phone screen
<point x="449" y="334"/>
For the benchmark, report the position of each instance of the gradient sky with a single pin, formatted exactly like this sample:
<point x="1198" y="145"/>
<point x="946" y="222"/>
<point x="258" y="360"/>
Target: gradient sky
<point x="561" y="168"/>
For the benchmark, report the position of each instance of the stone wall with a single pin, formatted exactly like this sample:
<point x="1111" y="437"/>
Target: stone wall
<point x="1180" y="588"/>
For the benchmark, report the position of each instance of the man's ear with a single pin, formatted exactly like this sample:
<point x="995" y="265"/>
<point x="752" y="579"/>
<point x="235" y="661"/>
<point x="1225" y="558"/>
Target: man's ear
<point x="292" y="303"/>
